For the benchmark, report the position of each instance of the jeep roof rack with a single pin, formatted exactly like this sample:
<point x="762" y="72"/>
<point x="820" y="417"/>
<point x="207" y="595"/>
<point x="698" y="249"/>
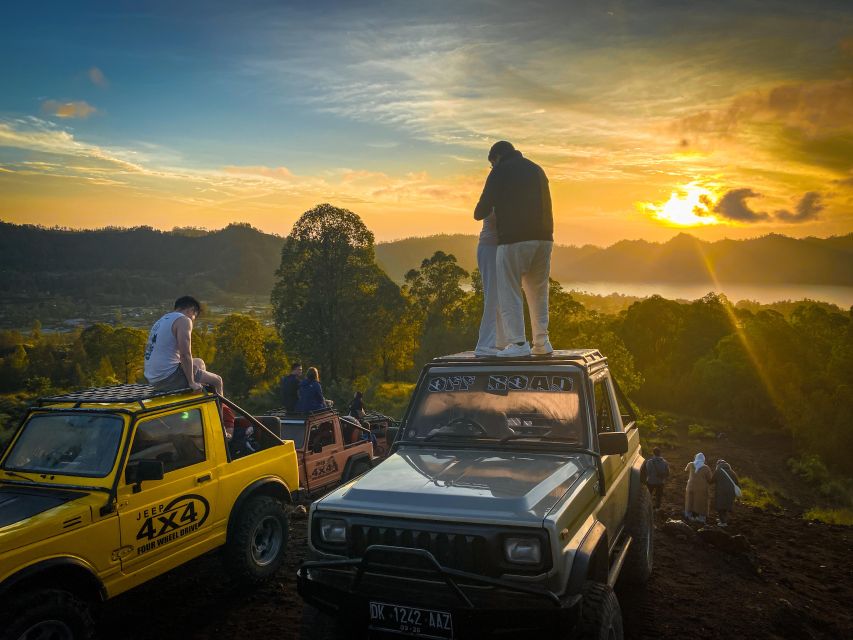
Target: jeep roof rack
<point x="120" y="393"/>
<point x="583" y="357"/>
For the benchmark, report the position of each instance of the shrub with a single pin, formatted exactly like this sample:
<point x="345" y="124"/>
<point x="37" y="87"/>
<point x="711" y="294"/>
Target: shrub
<point x="810" y="468"/>
<point x="756" y="495"/>
<point x="701" y="432"/>
<point x="391" y="398"/>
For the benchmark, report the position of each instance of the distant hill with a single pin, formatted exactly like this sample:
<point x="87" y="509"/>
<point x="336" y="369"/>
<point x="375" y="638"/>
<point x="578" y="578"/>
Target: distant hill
<point x="143" y="265"/>
<point x="771" y="259"/>
<point x="136" y="266"/>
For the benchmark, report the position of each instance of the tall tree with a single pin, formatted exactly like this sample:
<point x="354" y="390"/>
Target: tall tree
<point x="436" y="292"/>
<point x="325" y="285"/>
<point x="240" y="358"/>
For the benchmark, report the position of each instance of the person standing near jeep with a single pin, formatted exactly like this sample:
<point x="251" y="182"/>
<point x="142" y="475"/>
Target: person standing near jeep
<point x="517" y="191"/>
<point x="657" y="471"/>
<point x="169" y="362"/>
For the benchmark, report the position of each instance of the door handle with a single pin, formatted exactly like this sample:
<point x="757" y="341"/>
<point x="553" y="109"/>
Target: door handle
<point x="202" y="479"/>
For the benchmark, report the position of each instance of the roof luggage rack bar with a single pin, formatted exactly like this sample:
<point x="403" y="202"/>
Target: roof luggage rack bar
<point x="580" y="356"/>
<point x="121" y="393"/>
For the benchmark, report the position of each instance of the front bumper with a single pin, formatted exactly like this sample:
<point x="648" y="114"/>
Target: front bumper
<point x="480" y="607"/>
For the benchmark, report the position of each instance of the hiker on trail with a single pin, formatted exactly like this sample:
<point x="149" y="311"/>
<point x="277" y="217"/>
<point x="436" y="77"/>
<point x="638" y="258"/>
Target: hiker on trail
<point x="517" y="194"/>
<point x="311" y="393"/>
<point x="169" y="362"/>
<point x="657" y="471"/>
<point x="726" y="489"/>
<point x="290" y="387"/>
<point x="697" y="494"/>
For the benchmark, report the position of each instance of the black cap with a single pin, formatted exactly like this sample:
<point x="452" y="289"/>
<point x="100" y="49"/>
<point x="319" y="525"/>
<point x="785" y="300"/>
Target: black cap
<point x="500" y="148"/>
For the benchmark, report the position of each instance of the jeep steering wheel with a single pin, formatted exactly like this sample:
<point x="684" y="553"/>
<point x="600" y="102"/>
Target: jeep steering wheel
<point x="468" y="421"/>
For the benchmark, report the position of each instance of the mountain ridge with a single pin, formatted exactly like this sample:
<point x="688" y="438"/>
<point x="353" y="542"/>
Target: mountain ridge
<point x="142" y="264"/>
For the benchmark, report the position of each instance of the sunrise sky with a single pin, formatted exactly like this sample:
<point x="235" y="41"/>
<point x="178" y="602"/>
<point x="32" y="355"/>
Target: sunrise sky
<point x="723" y="119"/>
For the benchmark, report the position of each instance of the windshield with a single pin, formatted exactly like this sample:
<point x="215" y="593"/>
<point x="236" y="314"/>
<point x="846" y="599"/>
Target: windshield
<point x="83" y="444"/>
<point x="503" y="406"/>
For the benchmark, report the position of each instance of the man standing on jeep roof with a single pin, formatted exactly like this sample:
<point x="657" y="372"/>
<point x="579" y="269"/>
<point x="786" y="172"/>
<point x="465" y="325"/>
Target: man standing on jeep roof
<point x="290" y="387"/>
<point x="169" y="362"/>
<point x="517" y="190"/>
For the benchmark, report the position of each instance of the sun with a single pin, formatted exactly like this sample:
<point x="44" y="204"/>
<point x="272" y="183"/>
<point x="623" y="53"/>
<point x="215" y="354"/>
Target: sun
<point x="688" y="206"/>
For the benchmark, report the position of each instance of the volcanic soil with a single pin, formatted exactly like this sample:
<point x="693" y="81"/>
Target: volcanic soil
<point x="781" y="576"/>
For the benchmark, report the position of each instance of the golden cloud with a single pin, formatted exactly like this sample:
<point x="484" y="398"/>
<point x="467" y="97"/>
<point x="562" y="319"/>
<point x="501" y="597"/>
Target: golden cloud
<point x="78" y="109"/>
<point x="815" y="108"/>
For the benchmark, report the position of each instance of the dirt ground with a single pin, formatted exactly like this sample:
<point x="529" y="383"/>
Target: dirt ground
<point x="796" y="580"/>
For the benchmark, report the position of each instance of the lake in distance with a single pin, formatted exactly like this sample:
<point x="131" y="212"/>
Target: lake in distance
<point x="764" y="294"/>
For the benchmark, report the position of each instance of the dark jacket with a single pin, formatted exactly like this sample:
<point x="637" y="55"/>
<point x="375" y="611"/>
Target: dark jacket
<point x="310" y="396"/>
<point x="290" y="391"/>
<point x="724" y="487"/>
<point x="657" y="471"/>
<point x="518" y="190"/>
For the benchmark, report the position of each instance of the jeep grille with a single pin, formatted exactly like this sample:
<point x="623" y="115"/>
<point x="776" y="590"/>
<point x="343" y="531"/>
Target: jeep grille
<point x="455" y="550"/>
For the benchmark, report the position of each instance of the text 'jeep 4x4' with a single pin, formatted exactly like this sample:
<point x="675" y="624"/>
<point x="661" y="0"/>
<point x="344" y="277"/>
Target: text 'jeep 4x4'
<point x="511" y="503"/>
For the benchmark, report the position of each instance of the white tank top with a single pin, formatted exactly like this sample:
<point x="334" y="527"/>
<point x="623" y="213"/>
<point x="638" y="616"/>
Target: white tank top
<point x="161" y="350"/>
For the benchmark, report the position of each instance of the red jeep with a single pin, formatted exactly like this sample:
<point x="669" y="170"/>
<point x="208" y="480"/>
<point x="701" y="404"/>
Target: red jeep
<point x="331" y="449"/>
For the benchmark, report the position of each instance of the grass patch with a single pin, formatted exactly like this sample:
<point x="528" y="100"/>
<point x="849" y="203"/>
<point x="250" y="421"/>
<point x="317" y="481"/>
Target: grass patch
<point x="756" y="495"/>
<point x="830" y="516"/>
<point x="656" y="431"/>
<point x="701" y="432"/>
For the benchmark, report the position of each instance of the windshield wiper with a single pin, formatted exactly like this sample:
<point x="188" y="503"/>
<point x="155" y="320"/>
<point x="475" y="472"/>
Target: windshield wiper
<point x="534" y="436"/>
<point x="17" y="475"/>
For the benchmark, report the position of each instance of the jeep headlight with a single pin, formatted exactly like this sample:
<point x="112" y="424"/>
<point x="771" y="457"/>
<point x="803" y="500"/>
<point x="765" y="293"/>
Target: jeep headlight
<point x="332" y="530"/>
<point x="523" y="550"/>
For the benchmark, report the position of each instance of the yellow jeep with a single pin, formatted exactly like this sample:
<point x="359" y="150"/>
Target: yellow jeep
<point x="104" y="489"/>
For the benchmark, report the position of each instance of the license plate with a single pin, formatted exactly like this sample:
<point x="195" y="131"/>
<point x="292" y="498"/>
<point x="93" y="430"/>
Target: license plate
<point x="413" y="621"/>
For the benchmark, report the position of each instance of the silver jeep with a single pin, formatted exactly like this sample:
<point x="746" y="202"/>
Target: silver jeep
<point x="511" y="503"/>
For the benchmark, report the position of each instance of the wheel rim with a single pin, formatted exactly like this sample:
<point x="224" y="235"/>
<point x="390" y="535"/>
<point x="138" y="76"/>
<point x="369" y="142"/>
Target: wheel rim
<point x="48" y="630"/>
<point x="267" y="540"/>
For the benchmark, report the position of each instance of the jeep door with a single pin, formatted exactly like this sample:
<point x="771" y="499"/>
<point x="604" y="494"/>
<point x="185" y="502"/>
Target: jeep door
<point x="321" y="455"/>
<point x="616" y="470"/>
<point x="165" y="517"/>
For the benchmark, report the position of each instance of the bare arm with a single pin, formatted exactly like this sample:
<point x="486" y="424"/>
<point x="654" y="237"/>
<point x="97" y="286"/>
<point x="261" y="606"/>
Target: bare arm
<point x="183" y="328"/>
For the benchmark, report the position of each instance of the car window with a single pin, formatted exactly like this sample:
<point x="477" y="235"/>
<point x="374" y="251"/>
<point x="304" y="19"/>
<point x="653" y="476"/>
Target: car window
<point x="603" y="410"/>
<point x="498" y="404"/>
<point x="322" y="435"/>
<point x="83" y="444"/>
<point x="176" y="439"/>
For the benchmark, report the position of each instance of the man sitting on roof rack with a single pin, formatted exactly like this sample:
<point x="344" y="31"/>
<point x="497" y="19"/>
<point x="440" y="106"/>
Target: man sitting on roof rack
<point x="169" y="362"/>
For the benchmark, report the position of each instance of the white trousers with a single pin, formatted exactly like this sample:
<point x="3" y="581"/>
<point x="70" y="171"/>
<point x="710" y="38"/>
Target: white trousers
<point x="491" y="325"/>
<point x="524" y="265"/>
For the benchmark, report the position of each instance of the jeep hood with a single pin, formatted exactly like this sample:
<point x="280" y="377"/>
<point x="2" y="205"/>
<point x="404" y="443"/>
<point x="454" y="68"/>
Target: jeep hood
<point x="30" y="514"/>
<point x="464" y="485"/>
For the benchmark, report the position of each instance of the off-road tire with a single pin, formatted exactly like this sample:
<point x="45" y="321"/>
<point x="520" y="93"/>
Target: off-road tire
<point x="358" y="468"/>
<point x="317" y="625"/>
<point x="61" y="615"/>
<point x="601" y="617"/>
<point x="257" y="544"/>
<point x="640" y="525"/>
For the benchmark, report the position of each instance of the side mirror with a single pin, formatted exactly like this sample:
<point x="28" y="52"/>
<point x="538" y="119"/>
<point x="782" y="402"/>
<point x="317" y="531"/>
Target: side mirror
<point x="612" y="443"/>
<point x="139" y="470"/>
